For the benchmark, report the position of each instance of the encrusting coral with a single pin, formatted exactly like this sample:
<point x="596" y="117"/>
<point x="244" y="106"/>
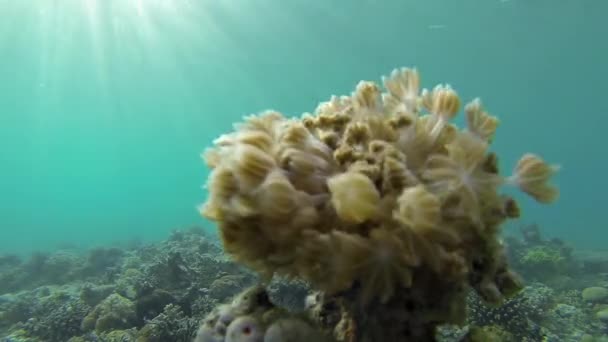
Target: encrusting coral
<point x="376" y="196"/>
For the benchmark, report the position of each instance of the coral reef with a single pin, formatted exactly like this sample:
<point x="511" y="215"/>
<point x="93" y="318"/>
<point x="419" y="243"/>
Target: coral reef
<point x="155" y="292"/>
<point x="166" y="311"/>
<point x="521" y="315"/>
<point x="170" y="325"/>
<point x="113" y="313"/>
<point x="375" y="198"/>
<point x="538" y="259"/>
<point x="57" y="318"/>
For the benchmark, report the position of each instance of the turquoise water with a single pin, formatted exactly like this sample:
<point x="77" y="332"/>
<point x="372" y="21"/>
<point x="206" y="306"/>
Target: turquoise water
<point x="105" y="106"/>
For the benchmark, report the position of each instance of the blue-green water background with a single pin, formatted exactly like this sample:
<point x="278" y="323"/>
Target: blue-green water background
<point x="106" y="105"/>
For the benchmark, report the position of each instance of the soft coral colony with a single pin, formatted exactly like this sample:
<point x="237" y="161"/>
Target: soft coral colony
<point x="377" y="195"/>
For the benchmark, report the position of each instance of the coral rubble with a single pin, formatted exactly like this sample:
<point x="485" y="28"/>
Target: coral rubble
<point x="376" y="199"/>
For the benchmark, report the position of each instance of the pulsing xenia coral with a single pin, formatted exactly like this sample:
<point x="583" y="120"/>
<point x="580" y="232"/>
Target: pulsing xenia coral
<point x="377" y="193"/>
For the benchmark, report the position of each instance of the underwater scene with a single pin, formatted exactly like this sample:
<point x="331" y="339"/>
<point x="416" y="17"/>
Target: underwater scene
<point x="303" y="171"/>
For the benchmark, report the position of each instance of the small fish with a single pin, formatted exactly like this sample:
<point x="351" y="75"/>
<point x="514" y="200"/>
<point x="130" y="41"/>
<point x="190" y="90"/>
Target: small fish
<point x="437" y="27"/>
